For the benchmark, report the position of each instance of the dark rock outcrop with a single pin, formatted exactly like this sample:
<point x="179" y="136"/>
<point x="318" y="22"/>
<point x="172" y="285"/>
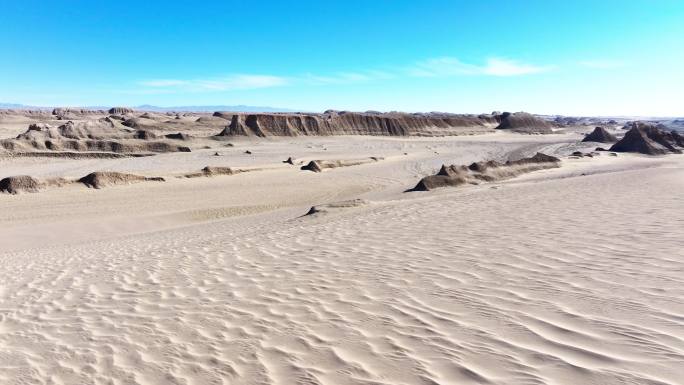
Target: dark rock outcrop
<point x="120" y="110"/>
<point x="178" y="136"/>
<point x="19" y="183"/>
<point x="600" y="135"/>
<point x="144" y="135"/>
<point x="650" y="139"/>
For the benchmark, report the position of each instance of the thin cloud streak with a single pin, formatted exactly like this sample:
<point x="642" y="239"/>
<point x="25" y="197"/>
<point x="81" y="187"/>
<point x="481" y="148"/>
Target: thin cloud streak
<point x="450" y="66"/>
<point x="437" y="67"/>
<point x="228" y="83"/>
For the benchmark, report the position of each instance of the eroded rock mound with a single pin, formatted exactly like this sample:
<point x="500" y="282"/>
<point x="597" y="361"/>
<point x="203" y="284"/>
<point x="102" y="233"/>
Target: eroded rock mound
<point x="489" y="171"/>
<point x="212" y="171"/>
<point x="101" y="179"/>
<point x="523" y="122"/>
<point x="320" y="165"/>
<point x="349" y="123"/>
<point x="121" y="110"/>
<point x="178" y="136"/>
<point x="336" y="206"/>
<point x="95" y="135"/>
<point x="19" y="183"/>
<point x="600" y="135"/>
<point x="650" y="139"/>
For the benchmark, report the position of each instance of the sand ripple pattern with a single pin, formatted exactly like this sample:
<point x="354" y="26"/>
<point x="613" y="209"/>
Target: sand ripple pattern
<point x="479" y="286"/>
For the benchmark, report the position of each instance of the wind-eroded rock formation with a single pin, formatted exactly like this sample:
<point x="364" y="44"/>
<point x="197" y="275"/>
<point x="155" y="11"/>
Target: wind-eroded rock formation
<point x="600" y="135"/>
<point x="99" y="135"/>
<point x="213" y="171"/>
<point x="336" y="206"/>
<point x="320" y="165"/>
<point x="523" y="122"/>
<point x="101" y="179"/>
<point x="650" y="139"/>
<point x="351" y="123"/>
<point x="19" y="183"/>
<point x="485" y="172"/>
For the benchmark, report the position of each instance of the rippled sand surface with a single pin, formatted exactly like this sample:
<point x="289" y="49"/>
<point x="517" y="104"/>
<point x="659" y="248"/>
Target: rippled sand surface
<point x="552" y="278"/>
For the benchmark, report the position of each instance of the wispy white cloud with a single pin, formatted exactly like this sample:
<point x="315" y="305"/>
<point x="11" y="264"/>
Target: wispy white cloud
<point x="436" y="67"/>
<point x="450" y="66"/>
<point x="342" y="77"/>
<point x="227" y="83"/>
<point x="602" y="64"/>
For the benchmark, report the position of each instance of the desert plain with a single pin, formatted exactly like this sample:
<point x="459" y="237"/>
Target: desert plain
<point x="198" y="254"/>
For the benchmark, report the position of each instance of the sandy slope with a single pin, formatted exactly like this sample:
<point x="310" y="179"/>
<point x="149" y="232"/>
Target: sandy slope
<point x="78" y="213"/>
<point x="552" y="278"/>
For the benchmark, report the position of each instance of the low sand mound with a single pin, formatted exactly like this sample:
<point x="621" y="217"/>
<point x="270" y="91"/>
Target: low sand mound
<point x="523" y="122"/>
<point x="336" y="206"/>
<point x="600" y="135"/>
<point x="649" y="139"/>
<point x="489" y="171"/>
<point x="212" y="171"/>
<point x="19" y="183"/>
<point x="320" y="165"/>
<point x="110" y="178"/>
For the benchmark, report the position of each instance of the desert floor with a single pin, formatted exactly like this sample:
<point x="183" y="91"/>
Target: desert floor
<point x="563" y="276"/>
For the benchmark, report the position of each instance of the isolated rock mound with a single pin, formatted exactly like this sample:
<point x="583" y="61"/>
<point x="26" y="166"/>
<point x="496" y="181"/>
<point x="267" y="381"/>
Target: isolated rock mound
<point x="19" y="183"/>
<point x="489" y="171"/>
<point x="336" y="206"/>
<point x="523" y="122"/>
<point x="178" y="136"/>
<point x="212" y="171"/>
<point x="349" y="123"/>
<point x="111" y="178"/>
<point x="120" y="110"/>
<point x="320" y="165"/>
<point x="600" y="135"/>
<point x="649" y="139"/>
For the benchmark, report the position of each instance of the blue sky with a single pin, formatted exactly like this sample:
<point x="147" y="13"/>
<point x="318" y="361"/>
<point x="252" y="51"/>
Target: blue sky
<point x="566" y="57"/>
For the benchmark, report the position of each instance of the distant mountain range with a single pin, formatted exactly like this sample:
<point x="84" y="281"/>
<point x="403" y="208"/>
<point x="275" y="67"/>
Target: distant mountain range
<point x="147" y="107"/>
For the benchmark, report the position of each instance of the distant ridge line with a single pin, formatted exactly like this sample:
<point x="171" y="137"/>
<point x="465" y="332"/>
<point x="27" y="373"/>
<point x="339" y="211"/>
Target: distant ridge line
<point x="148" y="107"/>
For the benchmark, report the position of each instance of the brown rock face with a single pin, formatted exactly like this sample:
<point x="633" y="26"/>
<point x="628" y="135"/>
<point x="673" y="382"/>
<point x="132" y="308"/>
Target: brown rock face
<point x="523" y="122"/>
<point x="649" y="139"/>
<point x="600" y="135"/>
<point x="348" y="123"/>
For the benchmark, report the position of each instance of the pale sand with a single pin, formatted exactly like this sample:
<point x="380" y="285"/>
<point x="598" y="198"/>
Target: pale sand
<point x="553" y="277"/>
